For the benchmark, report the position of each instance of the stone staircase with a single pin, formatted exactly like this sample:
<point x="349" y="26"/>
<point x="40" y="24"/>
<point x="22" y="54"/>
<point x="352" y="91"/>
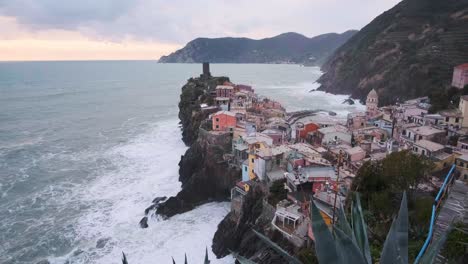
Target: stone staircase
<point x="454" y="209"/>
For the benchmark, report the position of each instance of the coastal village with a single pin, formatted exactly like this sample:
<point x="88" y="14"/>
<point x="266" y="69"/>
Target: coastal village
<point x="317" y="154"/>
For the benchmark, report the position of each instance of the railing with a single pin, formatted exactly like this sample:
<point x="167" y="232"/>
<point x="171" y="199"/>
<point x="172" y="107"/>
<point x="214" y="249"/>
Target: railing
<point x="435" y="206"/>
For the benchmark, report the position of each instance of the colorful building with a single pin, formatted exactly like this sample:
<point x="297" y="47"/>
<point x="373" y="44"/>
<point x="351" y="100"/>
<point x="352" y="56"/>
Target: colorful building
<point x="460" y="76"/>
<point x="224" y="91"/>
<point x="304" y="129"/>
<point x="223" y="121"/>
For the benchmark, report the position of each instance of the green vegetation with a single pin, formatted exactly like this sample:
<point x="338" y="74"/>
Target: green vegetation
<point x="446" y="99"/>
<point x="380" y="183"/>
<point x="457" y="243"/>
<point x="406" y="52"/>
<point x="348" y="241"/>
<point x="287" y="47"/>
<point x="277" y="192"/>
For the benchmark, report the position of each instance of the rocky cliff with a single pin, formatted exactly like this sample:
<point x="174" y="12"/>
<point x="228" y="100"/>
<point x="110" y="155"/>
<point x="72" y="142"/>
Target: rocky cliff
<point x="408" y="51"/>
<point x="204" y="174"/>
<point x="284" y="48"/>
<point x="235" y="231"/>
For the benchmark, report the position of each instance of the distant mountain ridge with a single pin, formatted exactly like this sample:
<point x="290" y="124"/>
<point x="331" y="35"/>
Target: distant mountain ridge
<point x="285" y="48"/>
<point x="406" y="52"/>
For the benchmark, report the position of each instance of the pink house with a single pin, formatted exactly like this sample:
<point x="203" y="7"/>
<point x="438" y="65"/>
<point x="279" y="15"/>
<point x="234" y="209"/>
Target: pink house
<point x="355" y="154"/>
<point x="460" y="76"/>
<point x="224" y="120"/>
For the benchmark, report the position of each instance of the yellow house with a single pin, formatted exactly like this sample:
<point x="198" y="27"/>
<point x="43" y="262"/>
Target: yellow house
<point x="463" y="107"/>
<point x="457" y="118"/>
<point x="253" y="148"/>
<point x="256" y="142"/>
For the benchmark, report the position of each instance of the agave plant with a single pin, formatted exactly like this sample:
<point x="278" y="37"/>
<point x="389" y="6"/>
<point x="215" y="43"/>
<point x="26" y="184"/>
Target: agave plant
<point x="206" y="261"/>
<point x="348" y="242"/>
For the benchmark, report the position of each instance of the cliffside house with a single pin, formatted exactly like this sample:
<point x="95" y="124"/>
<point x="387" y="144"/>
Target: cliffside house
<point x="356" y="120"/>
<point x="244" y="88"/>
<point x="225" y="91"/>
<point x="289" y="220"/>
<point x="270" y="160"/>
<point x="460" y="76"/>
<point x="238" y="193"/>
<point x="462" y="145"/>
<point x="455" y="119"/>
<point x="276" y="134"/>
<point x="224" y="121"/>
<point x="312" y="179"/>
<point x="414" y="134"/>
<point x="462" y="166"/>
<point x="303" y="130"/>
<point x="256" y="142"/>
<point x="332" y="134"/>
<point x="355" y="154"/>
<point x="427" y="148"/>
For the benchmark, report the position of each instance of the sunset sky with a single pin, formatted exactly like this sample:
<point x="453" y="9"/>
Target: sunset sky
<point x="147" y="29"/>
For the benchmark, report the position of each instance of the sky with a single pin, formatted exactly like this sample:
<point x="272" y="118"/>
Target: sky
<point x="148" y="29"/>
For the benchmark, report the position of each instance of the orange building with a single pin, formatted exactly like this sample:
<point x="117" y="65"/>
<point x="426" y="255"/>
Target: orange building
<point x="224" y="120"/>
<point x="304" y="130"/>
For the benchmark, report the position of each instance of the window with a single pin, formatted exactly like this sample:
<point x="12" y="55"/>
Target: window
<point x="420" y="137"/>
<point x="245" y="168"/>
<point x="447" y="119"/>
<point x="217" y="119"/>
<point x="456" y="120"/>
<point x="252" y="160"/>
<point x="423" y="152"/>
<point x="336" y="137"/>
<point x="217" y="126"/>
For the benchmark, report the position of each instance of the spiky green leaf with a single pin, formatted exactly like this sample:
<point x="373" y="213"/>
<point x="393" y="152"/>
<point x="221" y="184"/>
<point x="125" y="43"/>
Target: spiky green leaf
<point x="347" y="249"/>
<point x="395" y="249"/>
<point x="324" y="244"/>
<point x="124" y="259"/>
<point x="343" y="223"/>
<point x="277" y="248"/>
<point x="241" y="259"/>
<point x="207" y="261"/>
<point x="360" y="228"/>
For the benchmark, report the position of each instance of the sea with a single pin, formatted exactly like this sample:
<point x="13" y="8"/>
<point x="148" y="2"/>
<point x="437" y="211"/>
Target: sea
<point x="86" y="146"/>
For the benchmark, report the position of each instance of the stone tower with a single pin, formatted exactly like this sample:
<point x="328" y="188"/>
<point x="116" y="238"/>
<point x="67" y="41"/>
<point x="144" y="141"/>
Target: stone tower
<point x="372" y="103"/>
<point x="206" y="70"/>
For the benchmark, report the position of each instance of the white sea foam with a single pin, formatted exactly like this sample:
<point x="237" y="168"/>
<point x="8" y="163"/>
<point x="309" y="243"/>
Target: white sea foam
<point x="146" y="167"/>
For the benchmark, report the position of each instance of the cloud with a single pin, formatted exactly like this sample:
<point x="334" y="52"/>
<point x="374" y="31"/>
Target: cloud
<point x="178" y="21"/>
<point x="17" y="43"/>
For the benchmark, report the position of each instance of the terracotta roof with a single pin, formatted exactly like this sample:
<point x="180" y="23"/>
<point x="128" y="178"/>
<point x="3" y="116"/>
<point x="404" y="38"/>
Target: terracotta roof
<point x="224" y="113"/>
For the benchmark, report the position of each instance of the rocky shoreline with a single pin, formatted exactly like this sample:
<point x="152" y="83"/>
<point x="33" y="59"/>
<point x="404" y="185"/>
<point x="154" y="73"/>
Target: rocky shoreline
<point x="207" y="177"/>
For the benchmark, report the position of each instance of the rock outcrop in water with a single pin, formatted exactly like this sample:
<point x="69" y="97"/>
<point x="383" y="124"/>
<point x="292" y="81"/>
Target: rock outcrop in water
<point x="204" y="174"/>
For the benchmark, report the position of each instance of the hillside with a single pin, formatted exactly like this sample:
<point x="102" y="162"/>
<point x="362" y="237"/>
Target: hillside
<point x="408" y="51"/>
<point x="284" y="48"/>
